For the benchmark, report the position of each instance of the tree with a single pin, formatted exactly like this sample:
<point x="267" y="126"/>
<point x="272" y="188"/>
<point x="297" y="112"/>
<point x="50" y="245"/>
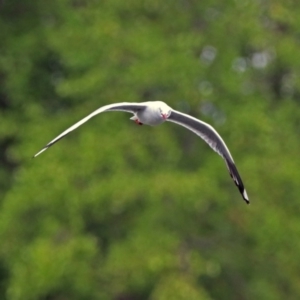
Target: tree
<point x="118" y="211"/>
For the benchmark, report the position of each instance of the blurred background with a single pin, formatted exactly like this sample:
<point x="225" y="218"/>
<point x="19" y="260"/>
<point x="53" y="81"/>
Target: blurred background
<point x="125" y="212"/>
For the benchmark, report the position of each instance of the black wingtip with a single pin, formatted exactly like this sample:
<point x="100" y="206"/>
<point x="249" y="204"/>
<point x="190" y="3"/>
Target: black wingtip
<point x="237" y="180"/>
<point x="244" y="194"/>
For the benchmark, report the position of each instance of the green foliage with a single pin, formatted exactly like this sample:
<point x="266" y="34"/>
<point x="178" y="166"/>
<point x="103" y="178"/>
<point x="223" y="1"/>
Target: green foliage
<point x="118" y="211"/>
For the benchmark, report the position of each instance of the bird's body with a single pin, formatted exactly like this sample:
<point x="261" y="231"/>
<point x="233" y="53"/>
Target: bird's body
<point x="151" y="114"/>
<point x="156" y="112"/>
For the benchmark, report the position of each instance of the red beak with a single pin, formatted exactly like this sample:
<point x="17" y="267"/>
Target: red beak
<point x="164" y="116"/>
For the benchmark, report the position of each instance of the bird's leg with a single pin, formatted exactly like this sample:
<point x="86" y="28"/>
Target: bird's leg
<point x="137" y="121"/>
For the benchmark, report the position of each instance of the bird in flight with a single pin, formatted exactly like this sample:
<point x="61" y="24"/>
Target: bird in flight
<point x="156" y="112"/>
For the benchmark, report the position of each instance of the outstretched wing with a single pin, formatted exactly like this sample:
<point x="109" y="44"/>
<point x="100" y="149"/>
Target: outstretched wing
<point x="213" y="139"/>
<point x="124" y="106"/>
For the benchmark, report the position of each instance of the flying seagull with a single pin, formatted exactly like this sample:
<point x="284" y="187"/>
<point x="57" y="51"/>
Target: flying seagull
<point x="156" y="112"/>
